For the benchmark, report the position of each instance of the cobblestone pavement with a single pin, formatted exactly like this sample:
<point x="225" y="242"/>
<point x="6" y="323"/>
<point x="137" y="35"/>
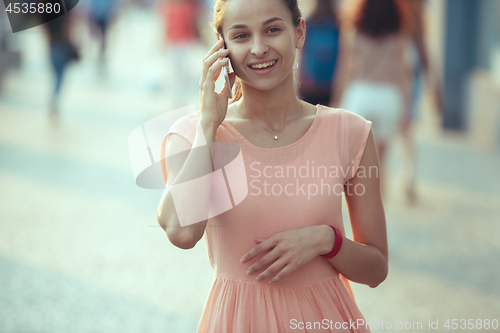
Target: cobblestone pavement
<point x="80" y="248"/>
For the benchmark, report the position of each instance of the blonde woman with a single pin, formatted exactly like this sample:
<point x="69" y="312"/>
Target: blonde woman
<point x="280" y="257"/>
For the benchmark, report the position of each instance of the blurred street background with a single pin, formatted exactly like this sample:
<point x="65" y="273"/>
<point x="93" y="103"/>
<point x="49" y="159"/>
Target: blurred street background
<point x="80" y="247"/>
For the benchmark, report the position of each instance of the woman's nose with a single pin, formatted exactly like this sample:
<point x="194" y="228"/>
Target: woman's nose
<point x="259" y="47"/>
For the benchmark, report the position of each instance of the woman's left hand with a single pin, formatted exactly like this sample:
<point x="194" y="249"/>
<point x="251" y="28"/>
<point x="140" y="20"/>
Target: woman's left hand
<point x="289" y="250"/>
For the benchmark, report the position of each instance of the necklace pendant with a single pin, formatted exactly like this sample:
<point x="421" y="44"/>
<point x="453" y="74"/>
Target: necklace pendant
<point x="275" y="137"/>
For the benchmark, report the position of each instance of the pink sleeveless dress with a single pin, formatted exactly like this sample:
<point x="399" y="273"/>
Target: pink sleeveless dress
<point x="289" y="187"/>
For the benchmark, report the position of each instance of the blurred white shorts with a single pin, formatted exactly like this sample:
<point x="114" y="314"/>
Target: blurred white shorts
<point x="382" y="104"/>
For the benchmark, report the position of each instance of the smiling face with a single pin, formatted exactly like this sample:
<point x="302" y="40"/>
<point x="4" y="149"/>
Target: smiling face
<point x="261" y="33"/>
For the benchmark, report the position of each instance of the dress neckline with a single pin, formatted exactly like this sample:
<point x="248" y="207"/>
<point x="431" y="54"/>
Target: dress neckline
<point x="254" y="147"/>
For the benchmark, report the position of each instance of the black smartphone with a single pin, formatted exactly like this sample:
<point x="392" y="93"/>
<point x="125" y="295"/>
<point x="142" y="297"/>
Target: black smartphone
<point x="225" y="72"/>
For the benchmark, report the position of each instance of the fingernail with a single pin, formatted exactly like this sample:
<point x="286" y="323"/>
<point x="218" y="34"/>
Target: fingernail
<point x="249" y="272"/>
<point x="258" y="278"/>
<point x="270" y="281"/>
<point x="243" y="260"/>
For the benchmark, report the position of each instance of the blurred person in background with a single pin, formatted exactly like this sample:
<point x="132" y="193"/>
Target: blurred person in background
<point x="206" y="14"/>
<point x="209" y="6"/>
<point x="319" y="55"/>
<point x="62" y="51"/>
<point x="373" y="78"/>
<point x="181" y="34"/>
<point x="101" y="12"/>
<point x="421" y="69"/>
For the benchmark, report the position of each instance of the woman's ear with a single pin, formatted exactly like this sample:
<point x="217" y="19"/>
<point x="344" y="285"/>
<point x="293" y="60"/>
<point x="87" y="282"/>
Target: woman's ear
<point x="301" y="34"/>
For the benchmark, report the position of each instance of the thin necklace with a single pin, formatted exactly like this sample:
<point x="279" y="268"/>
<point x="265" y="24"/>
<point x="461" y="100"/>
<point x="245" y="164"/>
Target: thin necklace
<point x="275" y="133"/>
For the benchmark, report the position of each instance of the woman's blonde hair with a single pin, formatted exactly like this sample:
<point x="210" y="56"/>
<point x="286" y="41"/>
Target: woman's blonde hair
<point x="219" y="11"/>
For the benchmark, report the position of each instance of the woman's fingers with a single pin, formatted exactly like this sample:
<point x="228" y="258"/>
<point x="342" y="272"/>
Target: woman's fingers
<point x="209" y="61"/>
<point x="279" y="266"/>
<point x="284" y="272"/>
<point x="258" y="249"/>
<point x="264" y="261"/>
<point x="213" y="104"/>
<point x="215" y="47"/>
<point x="212" y="75"/>
<point x="219" y="54"/>
<point x="214" y="71"/>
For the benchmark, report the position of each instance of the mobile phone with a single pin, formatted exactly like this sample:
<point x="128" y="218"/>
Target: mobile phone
<point x="225" y="72"/>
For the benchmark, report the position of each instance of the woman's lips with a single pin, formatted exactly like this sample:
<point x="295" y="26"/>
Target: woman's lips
<point x="263" y="71"/>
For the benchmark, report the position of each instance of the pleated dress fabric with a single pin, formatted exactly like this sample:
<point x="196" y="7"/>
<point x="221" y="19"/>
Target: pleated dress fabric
<point x="290" y="187"/>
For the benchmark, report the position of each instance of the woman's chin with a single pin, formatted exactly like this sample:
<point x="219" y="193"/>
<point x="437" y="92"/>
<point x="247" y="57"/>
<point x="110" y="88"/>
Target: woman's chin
<point x="263" y="85"/>
<point x="264" y="88"/>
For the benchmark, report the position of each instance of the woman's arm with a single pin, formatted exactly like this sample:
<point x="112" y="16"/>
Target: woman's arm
<point x="365" y="259"/>
<point x="189" y="165"/>
<point x="190" y="175"/>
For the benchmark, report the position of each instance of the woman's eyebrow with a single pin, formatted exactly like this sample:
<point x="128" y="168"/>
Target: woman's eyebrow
<point x="238" y="26"/>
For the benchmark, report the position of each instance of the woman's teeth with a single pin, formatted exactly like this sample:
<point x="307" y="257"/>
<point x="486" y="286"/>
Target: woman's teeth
<point x="263" y="66"/>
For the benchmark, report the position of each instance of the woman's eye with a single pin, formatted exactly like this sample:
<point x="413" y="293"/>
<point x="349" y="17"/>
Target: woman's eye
<point x="240" y="36"/>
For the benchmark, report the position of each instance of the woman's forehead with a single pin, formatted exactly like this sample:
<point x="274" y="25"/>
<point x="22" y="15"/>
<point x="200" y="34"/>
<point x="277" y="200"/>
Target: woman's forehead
<point x="254" y="12"/>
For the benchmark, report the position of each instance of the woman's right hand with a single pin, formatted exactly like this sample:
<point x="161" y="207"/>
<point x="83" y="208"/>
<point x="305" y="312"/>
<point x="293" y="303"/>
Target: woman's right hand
<point x="213" y="106"/>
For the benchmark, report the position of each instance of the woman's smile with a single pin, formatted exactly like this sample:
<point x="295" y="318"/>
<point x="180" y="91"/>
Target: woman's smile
<point x="263" y="68"/>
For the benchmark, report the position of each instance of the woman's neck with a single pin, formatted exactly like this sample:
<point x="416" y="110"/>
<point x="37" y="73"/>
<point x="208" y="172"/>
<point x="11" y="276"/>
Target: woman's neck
<point x="270" y="108"/>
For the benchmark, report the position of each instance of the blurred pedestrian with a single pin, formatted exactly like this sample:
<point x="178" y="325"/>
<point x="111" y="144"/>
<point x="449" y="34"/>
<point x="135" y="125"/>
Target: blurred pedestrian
<point x="101" y="12"/>
<point x="319" y="55"/>
<point x="374" y="78"/>
<point x="206" y="14"/>
<point x="181" y="35"/>
<point x="421" y="69"/>
<point x="62" y="51"/>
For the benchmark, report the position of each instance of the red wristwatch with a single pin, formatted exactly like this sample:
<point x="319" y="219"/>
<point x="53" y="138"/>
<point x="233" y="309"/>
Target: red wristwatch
<point x="336" y="246"/>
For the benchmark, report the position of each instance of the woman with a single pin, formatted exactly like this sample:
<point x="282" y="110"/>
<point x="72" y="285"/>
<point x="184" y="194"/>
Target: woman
<point x="373" y="68"/>
<point x="280" y="256"/>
